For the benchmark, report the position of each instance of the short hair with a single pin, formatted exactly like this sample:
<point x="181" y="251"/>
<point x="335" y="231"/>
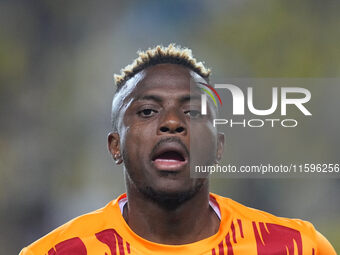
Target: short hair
<point x="172" y="54"/>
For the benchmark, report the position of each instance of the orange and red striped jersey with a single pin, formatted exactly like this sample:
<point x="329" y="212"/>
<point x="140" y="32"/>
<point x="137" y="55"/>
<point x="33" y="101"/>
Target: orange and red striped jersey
<point x="242" y="231"/>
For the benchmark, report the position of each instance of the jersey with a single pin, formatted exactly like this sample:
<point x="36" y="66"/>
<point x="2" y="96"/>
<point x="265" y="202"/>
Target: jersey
<point x="242" y="231"/>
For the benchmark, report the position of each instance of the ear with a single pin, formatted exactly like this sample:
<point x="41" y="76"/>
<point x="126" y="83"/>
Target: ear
<point x="220" y="146"/>
<point x="113" y="142"/>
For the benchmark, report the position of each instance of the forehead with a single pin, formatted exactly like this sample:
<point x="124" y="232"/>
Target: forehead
<point x="166" y="79"/>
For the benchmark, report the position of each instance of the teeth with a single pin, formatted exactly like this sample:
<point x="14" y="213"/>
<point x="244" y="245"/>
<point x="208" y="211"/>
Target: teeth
<point x="167" y="160"/>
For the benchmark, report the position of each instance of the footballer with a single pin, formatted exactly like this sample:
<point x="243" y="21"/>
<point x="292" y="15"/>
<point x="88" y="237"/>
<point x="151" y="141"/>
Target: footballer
<point x="155" y="111"/>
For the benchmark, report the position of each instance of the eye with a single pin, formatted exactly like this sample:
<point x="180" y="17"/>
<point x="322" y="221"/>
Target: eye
<point x="145" y="113"/>
<point x="193" y="113"/>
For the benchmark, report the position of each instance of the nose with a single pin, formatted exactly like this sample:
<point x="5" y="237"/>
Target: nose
<point x="172" y="123"/>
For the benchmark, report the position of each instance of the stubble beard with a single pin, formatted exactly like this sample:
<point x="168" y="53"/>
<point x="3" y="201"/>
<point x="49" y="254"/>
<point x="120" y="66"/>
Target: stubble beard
<point x="170" y="200"/>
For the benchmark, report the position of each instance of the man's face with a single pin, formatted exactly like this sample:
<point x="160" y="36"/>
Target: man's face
<point x="158" y="117"/>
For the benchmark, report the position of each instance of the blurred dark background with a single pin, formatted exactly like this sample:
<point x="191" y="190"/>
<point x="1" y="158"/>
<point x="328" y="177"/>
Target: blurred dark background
<point x="57" y="59"/>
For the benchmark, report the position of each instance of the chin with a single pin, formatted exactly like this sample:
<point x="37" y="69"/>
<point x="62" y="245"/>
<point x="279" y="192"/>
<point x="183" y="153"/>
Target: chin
<point x="171" y="197"/>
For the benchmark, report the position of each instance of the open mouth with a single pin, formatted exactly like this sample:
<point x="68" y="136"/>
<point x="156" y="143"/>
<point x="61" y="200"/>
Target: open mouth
<point x="169" y="158"/>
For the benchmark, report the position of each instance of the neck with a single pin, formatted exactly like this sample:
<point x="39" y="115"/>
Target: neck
<point x="158" y="224"/>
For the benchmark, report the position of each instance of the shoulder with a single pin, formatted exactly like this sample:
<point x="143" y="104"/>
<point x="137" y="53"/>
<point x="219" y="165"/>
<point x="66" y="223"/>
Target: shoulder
<point x="255" y="215"/>
<point x="78" y="228"/>
<point x="268" y="227"/>
<point x="324" y="246"/>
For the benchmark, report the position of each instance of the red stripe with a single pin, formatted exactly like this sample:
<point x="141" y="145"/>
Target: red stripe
<point x="313" y="251"/>
<point x="51" y="252"/>
<point x="120" y="243"/>
<point x="128" y="247"/>
<point x="221" y="248"/>
<point x="240" y="226"/>
<point x="229" y="246"/>
<point x="233" y="230"/>
<point x="109" y="237"/>
<point x="213" y="252"/>
<point x="212" y="90"/>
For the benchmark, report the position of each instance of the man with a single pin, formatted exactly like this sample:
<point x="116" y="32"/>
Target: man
<point x="155" y="111"/>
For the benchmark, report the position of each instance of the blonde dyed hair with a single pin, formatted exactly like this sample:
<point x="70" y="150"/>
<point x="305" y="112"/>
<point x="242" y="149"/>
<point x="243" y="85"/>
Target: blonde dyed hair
<point x="172" y="54"/>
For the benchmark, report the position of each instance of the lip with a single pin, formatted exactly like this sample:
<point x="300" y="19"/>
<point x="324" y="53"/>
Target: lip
<point x="170" y="165"/>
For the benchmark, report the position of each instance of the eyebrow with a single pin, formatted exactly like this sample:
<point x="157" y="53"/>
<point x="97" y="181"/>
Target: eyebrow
<point x="160" y="99"/>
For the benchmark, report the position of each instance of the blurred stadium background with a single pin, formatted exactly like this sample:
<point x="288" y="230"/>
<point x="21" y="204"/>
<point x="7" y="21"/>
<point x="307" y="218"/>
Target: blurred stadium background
<point x="56" y="64"/>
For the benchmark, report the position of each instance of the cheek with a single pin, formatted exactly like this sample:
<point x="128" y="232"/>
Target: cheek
<point x="137" y="139"/>
<point x="136" y="152"/>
